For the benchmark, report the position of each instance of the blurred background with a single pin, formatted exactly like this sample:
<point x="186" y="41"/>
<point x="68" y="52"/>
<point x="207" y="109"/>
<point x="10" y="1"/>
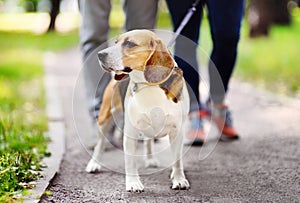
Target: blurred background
<point x="268" y="53"/>
<point x="269" y="57"/>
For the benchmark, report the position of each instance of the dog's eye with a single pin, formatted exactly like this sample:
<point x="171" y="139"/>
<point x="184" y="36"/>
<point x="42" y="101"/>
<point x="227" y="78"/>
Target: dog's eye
<point x="128" y="44"/>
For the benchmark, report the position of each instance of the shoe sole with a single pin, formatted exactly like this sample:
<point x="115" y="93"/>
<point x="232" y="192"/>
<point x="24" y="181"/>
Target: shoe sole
<point x="225" y="138"/>
<point x="196" y="142"/>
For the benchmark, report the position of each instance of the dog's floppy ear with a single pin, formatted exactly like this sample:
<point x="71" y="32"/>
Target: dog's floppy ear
<point x="159" y="65"/>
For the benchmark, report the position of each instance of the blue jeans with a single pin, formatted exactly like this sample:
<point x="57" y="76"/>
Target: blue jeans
<point x="225" y="22"/>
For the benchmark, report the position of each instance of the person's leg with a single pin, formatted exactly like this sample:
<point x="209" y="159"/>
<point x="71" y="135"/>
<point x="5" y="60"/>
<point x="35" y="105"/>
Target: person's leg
<point x="93" y="36"/>
<point x="93" y="33"/>
<point x="186" y="46"/>
<point x="140" y="14"/>
<point x="186" y="58"/>
<point x="225" y="22"/>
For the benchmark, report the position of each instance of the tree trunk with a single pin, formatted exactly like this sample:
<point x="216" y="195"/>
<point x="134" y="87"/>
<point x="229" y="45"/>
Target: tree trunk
<point x="53" y="14"/>
<point x="263" y="13"/>
<point x="281" y="13"/>
<point x="259" y="17"/>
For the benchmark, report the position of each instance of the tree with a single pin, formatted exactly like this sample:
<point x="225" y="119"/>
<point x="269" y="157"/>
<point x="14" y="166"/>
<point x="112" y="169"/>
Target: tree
<point x="53" y="14"/>
<point x="263" y="13"/>
<point x="30" y="5"/>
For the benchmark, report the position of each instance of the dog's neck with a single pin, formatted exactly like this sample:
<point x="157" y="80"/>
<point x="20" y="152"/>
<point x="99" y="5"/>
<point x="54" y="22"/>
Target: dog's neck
<point x="172" y="86"/>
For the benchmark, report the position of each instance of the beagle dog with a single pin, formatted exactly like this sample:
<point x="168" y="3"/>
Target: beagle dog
<point x="156" y="103"/>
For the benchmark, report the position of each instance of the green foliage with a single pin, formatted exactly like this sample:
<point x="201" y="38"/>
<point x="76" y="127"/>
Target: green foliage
<point x="32" y="42"/>
<point x="272" y="61"/>
<point x="163" y="17"/>
<point x="30" y="5"/>
<point x="22" y="142"/>
<point x="21" y="151"/>
<point x="22" y="103"/>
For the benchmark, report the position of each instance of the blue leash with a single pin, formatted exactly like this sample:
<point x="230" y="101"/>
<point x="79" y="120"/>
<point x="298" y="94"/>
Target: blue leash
<point x="185" y="20"/>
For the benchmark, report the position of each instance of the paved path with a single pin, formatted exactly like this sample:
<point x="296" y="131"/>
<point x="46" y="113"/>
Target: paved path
<point x="263" y="166"/>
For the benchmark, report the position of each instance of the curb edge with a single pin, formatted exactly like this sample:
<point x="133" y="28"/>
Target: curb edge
<point x="56" y="133"/>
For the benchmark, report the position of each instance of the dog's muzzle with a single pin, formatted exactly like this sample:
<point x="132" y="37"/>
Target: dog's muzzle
<point x="102" y="56"/>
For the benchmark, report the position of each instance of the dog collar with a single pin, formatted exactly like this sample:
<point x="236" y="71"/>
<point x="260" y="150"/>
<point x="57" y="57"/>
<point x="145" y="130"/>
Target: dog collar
<point x="172" y="86"/>
<point x="138" y="87"/>
<point x="135" y="88"/>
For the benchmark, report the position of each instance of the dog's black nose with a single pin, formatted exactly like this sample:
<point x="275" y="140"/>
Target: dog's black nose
<point x="102" y="56"/>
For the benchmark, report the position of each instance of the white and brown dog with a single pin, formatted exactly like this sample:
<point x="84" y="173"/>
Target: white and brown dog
<point x="156" y="103"/>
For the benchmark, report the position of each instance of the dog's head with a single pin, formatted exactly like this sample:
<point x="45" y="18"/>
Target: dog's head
<point x="141" y="54"/>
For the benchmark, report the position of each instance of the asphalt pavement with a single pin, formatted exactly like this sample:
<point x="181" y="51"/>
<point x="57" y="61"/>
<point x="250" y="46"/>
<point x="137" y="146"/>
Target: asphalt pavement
<point x="262" y="166"/>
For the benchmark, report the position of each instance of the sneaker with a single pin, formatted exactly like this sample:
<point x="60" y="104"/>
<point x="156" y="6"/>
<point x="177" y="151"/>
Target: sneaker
<point x="195" y="135"/>
<point x="222" y="118"/>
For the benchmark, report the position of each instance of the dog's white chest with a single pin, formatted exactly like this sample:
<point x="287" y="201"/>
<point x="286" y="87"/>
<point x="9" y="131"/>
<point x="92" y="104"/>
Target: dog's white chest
<point x="149" y="111"/>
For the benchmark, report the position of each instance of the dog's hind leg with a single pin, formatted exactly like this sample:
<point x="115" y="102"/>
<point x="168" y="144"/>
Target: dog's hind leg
<point x="94" y="163"/>
<point x="179" y="181"/>
<point x="105" y="121"/>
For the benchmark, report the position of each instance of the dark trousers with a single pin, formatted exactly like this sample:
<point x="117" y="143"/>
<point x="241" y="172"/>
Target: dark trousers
<point x="225" y="22"/>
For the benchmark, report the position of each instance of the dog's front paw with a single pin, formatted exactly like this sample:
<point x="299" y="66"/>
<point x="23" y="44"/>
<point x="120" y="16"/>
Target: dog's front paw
<point x="93" y="166"/>
<point x="180" y="184"/>
<point x="133" y="184"/>
<point x="151" y="163"/>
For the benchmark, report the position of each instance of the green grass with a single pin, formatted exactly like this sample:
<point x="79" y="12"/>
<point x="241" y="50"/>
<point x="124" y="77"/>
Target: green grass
<point x="45" y="42"/>
<point x="272" y="61"/>
<point x="21" y="151"/>
<point x="23" y="122"/>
